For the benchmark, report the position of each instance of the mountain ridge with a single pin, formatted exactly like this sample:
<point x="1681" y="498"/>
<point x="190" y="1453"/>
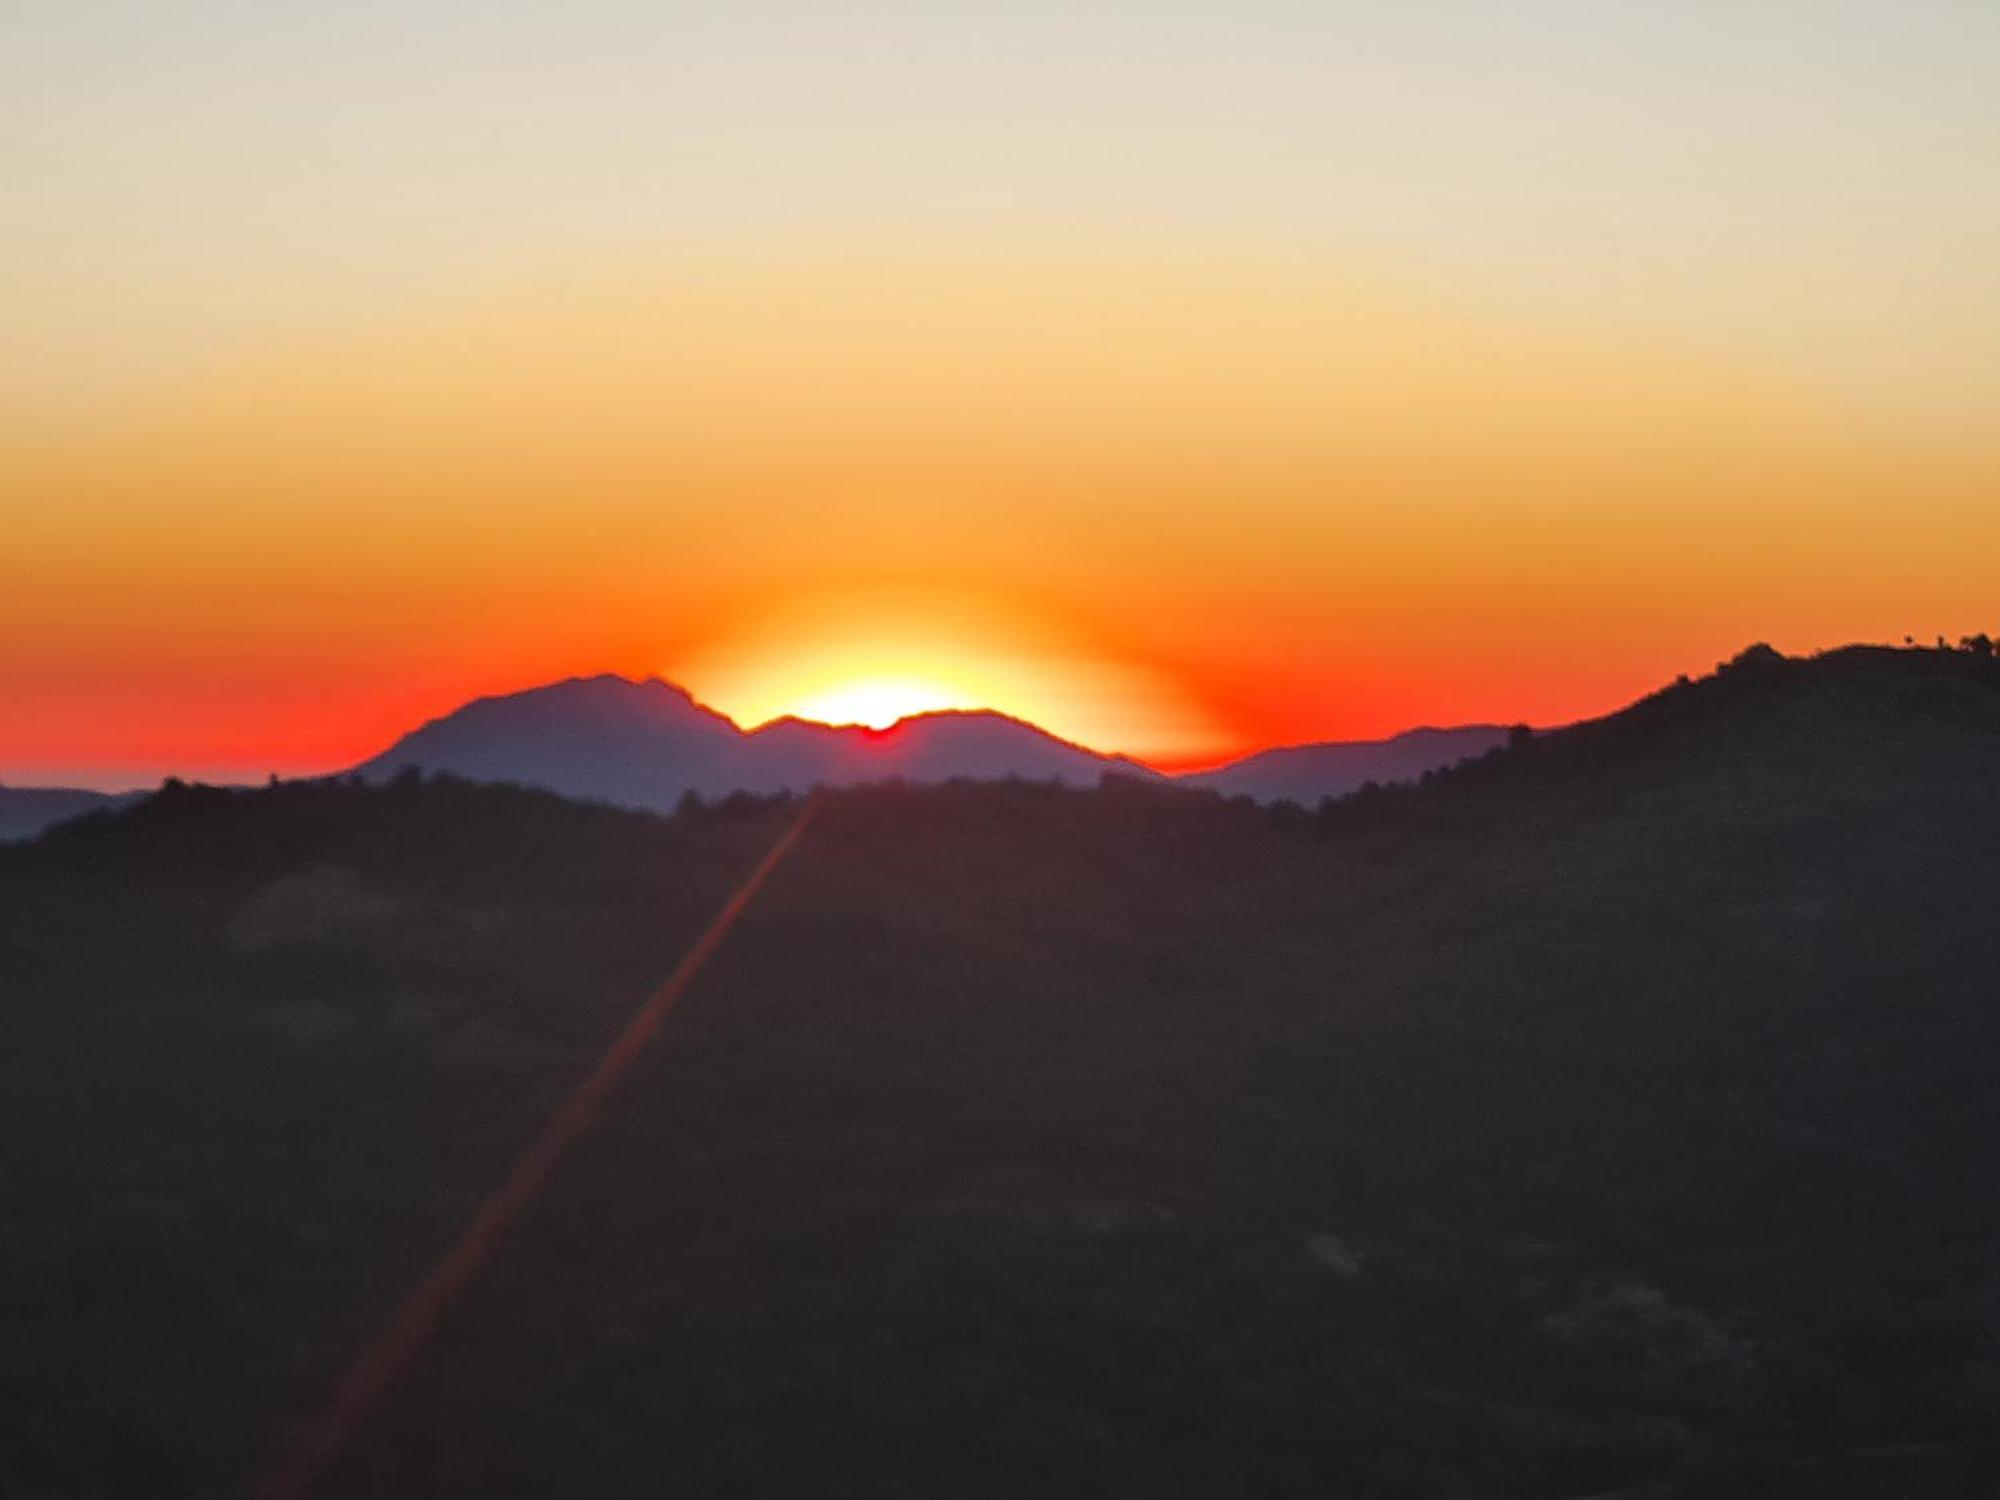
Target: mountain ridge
<point x="26" y="810"/>
<point x="599" y="748"/>
<point x="1332" y="768"/>
<point x="575" y="736"/>
<point x="648" y="742"/>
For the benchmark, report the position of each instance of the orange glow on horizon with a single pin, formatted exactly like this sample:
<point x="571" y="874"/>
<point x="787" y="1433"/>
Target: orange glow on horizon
<point x="878" y="702"/>
<point x="1284" y="374"/>
<point x="875" y="656"/>
<point x="1161" y="504"/>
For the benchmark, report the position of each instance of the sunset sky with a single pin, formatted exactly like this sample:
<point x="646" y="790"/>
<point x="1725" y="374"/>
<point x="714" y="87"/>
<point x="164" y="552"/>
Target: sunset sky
<point x="1186" y="378"/>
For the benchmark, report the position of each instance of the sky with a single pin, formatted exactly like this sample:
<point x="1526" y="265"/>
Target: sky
<point x="1185" y="377"/>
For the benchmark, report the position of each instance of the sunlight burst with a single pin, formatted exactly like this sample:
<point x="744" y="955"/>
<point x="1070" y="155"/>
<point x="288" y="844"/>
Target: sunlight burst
<point x="874" y="655"/>
<point x="879" y="702"/>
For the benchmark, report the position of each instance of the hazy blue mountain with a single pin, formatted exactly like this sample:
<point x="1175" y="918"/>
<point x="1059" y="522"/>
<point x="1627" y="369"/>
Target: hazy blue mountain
<point x="608" y="739"/>
<point x="646" y="743"/>
<point x="26" y="810"/>
<point x="1306" y="773"/>
<point x="980" y="745"/>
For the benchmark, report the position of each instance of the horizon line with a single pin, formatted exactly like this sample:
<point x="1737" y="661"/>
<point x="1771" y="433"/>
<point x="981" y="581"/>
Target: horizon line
<point x="113" y="780"/>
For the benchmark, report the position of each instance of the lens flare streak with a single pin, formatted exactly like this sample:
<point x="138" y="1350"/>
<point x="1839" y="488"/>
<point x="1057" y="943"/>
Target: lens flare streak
<point x="389" y="1356"/>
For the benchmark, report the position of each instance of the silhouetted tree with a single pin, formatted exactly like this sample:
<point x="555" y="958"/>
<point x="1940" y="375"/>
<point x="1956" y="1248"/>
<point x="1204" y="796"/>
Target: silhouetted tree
<point x="1762" y="654"/>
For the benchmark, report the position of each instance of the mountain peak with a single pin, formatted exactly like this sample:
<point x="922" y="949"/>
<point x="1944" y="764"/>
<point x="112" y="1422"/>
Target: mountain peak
<point x="646" y="742"/>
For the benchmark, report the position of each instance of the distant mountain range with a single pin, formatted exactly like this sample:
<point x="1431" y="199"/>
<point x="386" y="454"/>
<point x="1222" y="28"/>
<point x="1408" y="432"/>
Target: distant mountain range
<point x="647" y="743"/>
<point x="1306" y="773"/>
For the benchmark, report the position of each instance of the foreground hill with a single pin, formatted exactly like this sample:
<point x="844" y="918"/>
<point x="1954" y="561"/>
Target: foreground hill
<point x="645" y="744"/>
<point x="1612" y="1114"/>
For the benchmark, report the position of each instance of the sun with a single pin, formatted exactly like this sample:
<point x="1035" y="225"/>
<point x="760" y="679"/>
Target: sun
<point x="873" y="656"/>
<point x="878" y="702"/>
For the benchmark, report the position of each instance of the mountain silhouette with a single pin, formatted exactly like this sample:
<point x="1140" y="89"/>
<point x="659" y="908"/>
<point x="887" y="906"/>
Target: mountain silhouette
<point x="1307" y="773"/>
<point x="1852" y="721"/>
<point x="647" y="743"/>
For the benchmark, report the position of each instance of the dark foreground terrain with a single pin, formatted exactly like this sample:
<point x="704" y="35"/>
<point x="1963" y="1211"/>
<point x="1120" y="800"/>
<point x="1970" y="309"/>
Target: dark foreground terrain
<point x="1615" y="1115"/>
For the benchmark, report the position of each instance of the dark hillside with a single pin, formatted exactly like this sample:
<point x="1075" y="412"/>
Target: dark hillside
<point x="1610" y="1115"/>
<point x="1788" y="726"/>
